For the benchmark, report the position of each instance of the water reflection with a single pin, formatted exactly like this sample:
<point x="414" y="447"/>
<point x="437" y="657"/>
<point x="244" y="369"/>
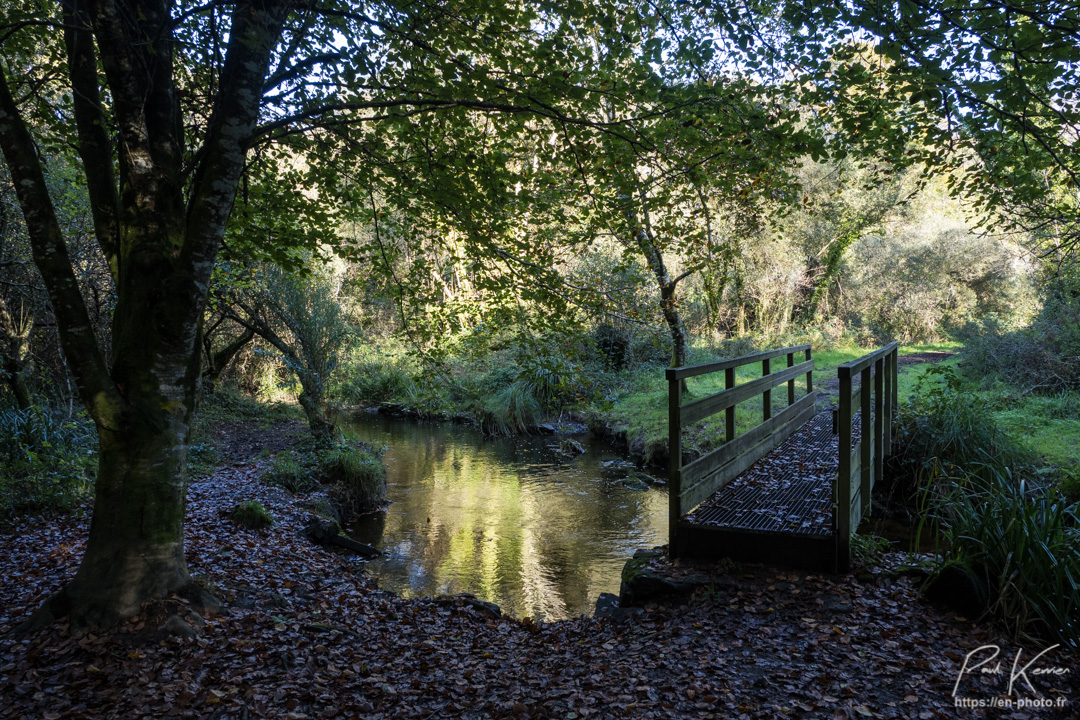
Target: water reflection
<point x="508" y="520"/>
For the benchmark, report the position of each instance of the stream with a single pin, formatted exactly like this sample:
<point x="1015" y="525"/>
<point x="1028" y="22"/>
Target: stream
<point x="510" y="520"/>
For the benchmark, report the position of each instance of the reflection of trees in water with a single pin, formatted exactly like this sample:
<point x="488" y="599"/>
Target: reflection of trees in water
<point x="505" y="519"/>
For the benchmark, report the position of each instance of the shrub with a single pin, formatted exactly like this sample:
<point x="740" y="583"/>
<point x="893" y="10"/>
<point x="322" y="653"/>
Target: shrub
<point x="1021" y="549"/>
<point x="943" y="423"/>
<point x="252" y="515"/>
<point x="613" y="343"/>
<point x="1043" y="357"/>
<point x="510" y="410"/>
<point x="48" y="460"/>
<point x="289" y="472"/>
<point x="357" y="478"/>
<point x="372" y="383"/>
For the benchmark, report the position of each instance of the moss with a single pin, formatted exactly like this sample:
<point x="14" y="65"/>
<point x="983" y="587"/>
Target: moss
<point x="252" y="515"/>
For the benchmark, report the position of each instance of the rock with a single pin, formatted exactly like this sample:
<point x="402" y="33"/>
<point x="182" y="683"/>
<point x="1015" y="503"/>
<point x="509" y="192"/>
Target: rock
<point x="571" y="447"/>
<point x="641" y="583"/>
<point x="323" y="531"/>
<point x="635" y="482"/>
<point x="607" y="605"/>
<point x="474" y="604"/>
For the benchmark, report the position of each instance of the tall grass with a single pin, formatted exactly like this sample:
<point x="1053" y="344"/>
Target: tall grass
<point x="48" y="461"/>
<point x="357" y="478"/>
<point x="1023" y="545"/>
<point x="945" y="424"/>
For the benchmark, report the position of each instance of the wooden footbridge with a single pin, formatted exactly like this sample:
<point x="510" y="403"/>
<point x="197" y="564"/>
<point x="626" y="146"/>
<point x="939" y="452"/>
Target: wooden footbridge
<point x="793" y="488"/>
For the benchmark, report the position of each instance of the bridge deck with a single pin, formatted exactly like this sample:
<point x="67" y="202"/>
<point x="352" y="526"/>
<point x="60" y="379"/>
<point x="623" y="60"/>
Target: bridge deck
<point x="779" y="511"/>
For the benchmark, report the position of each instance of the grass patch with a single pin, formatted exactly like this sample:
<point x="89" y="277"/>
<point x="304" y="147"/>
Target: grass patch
<point x="1021" y="550"/>
<point x="357" y="478"/>
<point x="291" y="471"/>
<point x="48" y="461"/>
<point x="252" y="515"/>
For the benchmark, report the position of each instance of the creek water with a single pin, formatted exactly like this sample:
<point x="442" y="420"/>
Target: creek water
<point x="509" y="520"/>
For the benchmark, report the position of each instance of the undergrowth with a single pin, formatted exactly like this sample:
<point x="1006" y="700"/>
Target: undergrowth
<point x="49" y="461"/>
<point x="1021" y="545"/>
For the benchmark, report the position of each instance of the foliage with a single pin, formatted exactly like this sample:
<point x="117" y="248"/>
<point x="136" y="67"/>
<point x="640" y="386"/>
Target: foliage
<point x="1041" y="357"/>
<point x="867" y="550"/>
<point x="49" y="461"/>
<point x="943" y="423"/>
<point x="290" y="472"/>
<point x="998" y="80"/>
<point x="357" y="478"/>
<point x="252" y="515"/>
<point x="1024" y="545"/>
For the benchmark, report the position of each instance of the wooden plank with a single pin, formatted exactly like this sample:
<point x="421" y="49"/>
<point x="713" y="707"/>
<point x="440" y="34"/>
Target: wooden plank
<point x="791" y="383"/>
<point x="842" y="481"/>
<point x="879" y="454"/>
<point x="809" y="373"/>
<point x="766" y="406"/>
<point x="674" y="458"/>
<point x="703" y="408"/>
<point x="860" y="364"/>
<point x="704" y="489"/>
<point x="681" y="373"/>
<point x="816" y="553"/>
<point x="729" y="414"/>
<point x="866" y="464"/>
<point x="710" y="462"/>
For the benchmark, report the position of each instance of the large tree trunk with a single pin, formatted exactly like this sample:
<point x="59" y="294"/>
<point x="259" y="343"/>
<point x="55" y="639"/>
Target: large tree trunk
<point x="318" y="416"/>
<point x="161" y="246"/>
<point x="135" y="551"/>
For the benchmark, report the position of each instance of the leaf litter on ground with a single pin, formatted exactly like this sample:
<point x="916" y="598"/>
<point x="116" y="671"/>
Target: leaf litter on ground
<point x="307" y="634"/>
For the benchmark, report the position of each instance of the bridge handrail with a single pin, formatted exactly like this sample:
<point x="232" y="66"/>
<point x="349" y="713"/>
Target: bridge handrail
<point x="686" y="371"/>
<point x="861" y="463"/>
<point x="709" y="473"/>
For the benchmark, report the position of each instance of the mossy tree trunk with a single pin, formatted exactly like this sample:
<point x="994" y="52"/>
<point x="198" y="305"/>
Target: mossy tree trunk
<point x="16" y="353"/>
<point x="160" y="228"/>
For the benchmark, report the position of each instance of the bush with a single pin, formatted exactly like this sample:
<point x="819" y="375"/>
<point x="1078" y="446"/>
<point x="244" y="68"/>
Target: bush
<point x="511" y="410"/>
<point x="357" y="478"/>
<point x="373" y="383"/>
<point x="48" y="461"/>
<point x="252" y="515"/>
<point x="1043" y="357"/>
<point x="943" y="423"/>
<point x="289" y="472"/>
<point x="1020" y="549"/>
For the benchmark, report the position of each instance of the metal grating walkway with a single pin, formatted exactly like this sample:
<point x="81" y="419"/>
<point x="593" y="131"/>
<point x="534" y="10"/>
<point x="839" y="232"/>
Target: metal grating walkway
<point x="788" y="491"/>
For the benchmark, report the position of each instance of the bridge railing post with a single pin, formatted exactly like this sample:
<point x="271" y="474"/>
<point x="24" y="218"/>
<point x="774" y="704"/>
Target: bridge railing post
<point x="766" y="397"/>
<point x="729" y="414"/>
<point x="842" y="491"/>
<point x="791" y="382"/>
<point x="879" y="428"/>
<point x="675" y="459"/>
<point x="866" y="441"/>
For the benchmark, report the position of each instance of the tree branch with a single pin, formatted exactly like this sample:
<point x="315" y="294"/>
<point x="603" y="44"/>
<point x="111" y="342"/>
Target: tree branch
<point x="76" y="332"/>
<point x="94" y="146"/>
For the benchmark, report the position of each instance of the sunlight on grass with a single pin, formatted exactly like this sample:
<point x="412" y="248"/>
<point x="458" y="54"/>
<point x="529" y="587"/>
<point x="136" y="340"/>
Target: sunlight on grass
<point x="641" y="408"/>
